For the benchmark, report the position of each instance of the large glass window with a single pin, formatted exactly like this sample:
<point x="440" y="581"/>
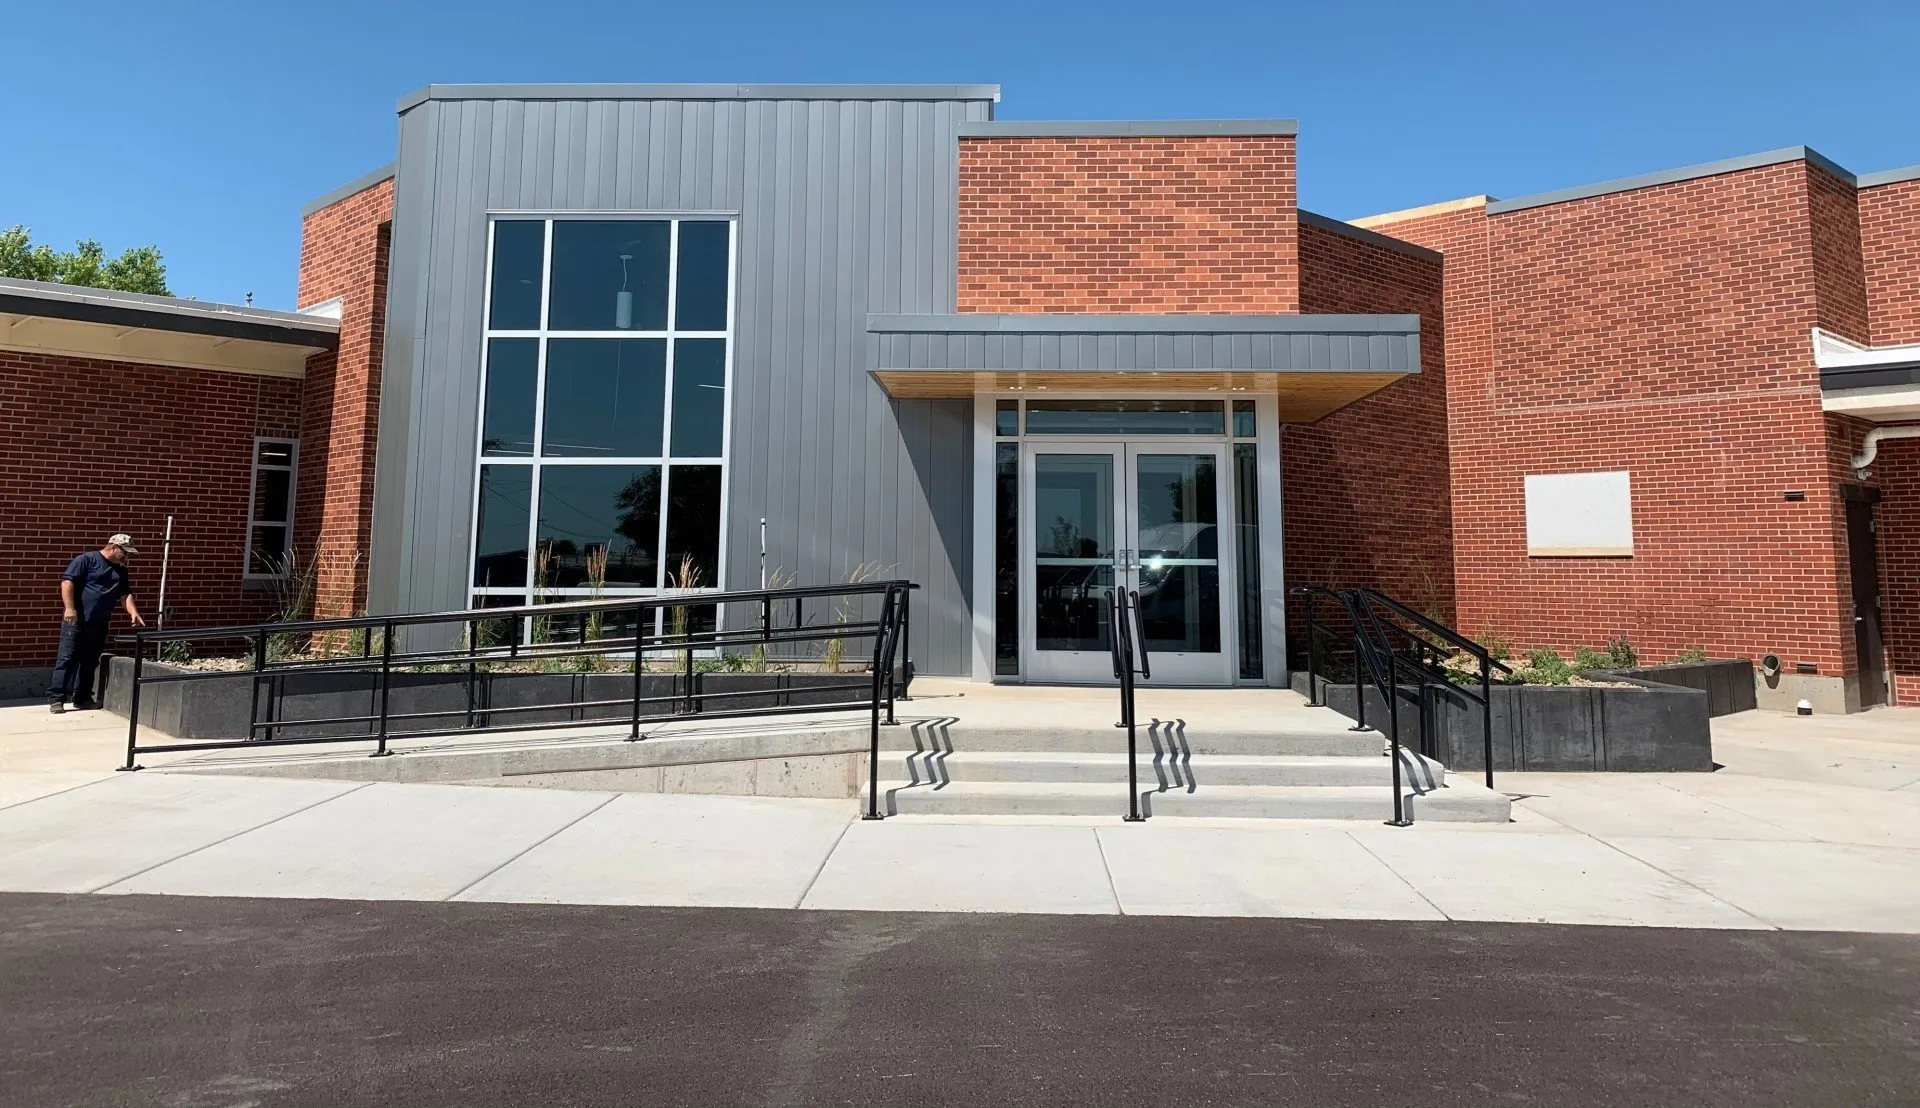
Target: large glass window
<point x="610" y="275"/>
<point x="605" y="398"/>
<point x="604" y="408"/>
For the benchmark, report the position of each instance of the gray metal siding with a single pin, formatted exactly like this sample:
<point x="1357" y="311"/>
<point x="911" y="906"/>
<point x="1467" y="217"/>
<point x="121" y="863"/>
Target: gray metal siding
<point x="845" y="207"/>
<point x="1302" y="351"/>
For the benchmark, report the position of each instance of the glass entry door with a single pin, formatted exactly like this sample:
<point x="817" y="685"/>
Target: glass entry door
<point x="1145" y="517"/>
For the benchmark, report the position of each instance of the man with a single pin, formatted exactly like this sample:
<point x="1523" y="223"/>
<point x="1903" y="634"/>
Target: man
<point x="93" y="584"/>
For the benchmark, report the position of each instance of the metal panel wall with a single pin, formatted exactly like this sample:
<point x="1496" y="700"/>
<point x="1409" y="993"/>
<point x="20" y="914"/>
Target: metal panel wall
<point x="846" y="207"/>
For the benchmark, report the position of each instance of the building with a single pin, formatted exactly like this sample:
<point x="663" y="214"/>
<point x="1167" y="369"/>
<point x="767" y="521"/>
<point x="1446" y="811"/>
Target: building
<point x="1017" y="362"/>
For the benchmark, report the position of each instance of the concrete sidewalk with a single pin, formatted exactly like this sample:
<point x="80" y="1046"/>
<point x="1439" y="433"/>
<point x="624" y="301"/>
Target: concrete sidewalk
<point x="1814" y="824"/>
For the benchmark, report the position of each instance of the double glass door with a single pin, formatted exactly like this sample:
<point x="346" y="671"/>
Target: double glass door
<point x="1146" y="518"/>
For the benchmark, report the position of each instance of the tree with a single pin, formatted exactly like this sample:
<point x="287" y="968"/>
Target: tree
<point x="137" y="269"/>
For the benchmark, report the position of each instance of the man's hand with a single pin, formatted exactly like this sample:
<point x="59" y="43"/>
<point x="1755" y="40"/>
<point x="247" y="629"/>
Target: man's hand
<point x="137" y="621"/>
<point x="71" y="616"/>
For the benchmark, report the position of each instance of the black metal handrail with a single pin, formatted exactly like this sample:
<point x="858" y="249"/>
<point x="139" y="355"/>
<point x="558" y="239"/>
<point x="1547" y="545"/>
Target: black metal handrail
<point x="1424" y="661"/>
<point x="1125" y="604"/>
<point x="380" y="653"/>
<point x="1374" y="619"/>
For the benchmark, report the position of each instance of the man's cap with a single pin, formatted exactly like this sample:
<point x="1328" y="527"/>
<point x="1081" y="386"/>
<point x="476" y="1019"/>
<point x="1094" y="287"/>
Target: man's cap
<point x="122" y="540"/>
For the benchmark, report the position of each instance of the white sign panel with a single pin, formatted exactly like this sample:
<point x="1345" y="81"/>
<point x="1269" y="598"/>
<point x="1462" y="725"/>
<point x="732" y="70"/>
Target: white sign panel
<point x="1579" y="515"/>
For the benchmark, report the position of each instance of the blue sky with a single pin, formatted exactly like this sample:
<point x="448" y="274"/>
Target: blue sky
<point x="202" y="127"/>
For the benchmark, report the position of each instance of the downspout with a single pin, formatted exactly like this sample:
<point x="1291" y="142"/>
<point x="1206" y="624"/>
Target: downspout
<point x="1871" y="446"/>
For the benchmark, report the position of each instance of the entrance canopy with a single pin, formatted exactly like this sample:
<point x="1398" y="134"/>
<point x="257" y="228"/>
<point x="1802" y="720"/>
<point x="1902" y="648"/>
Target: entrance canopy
<point x="1313" y="364"/>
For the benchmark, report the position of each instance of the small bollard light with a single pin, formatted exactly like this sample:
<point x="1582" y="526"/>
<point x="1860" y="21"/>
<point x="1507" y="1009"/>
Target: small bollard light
<point x="1805" y="707"/>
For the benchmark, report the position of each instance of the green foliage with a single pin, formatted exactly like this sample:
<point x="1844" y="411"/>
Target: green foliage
<point x="1620" y="653"/>
<point x="1496" y="644"/>
<point x="1587" y="658"/>
<point x="1545" y="667"/>
<point x="294" y="583"/>
<point x="137" y="269"/>
<point x="176" y="653"/>
<point x="1692" y="654"/>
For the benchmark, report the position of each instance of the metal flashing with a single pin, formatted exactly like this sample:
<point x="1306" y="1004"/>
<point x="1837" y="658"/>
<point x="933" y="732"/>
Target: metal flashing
<point x="696" y="92"/>
<point x="1671" y="176"/>
<point x="1125" y="128"/>
<point x="1165" y="350"/>
<point x="1870" y="376"/>
<point x="359" y="184"/>
<point x="165" y="313"/>
<point x="1372" y="238"/>
<point x="1888" y="177"/>
<point x="1066" y="323"/>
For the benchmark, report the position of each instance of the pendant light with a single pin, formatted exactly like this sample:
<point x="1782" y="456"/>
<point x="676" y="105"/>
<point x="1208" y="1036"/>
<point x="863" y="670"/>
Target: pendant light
<point x="623" y="300"/>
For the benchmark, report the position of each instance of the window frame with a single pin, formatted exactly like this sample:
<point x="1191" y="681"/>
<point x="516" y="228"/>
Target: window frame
<point x="665" y="459"/>
<point x="254" y="469"/>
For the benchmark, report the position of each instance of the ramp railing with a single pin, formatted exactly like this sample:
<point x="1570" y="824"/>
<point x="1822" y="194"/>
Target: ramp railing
<point x="630" y="660"/>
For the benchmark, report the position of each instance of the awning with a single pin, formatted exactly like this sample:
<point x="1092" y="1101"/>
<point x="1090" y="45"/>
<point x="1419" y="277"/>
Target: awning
<point x="1314" y="364"/>
<point x="42" y="318"/>
<point x="1877" y="384"/>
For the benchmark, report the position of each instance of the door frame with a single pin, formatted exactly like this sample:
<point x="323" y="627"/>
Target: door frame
<point x="1170" y="668"/>
<point x="1270" y="504"/>
<point x="1869" y="633"/>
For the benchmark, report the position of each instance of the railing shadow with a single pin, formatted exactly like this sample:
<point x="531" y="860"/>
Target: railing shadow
<point x="1172" y="755"/>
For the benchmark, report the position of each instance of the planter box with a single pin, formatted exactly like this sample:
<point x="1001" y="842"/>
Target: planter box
<point x="220" y="707"/>
<point x="1728" y="684"/>
<point x="1649" y="727"/>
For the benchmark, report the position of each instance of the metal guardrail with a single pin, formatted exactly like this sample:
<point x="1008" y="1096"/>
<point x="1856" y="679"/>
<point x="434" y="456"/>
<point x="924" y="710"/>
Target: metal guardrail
<point x="545" y="633"/>
<point x="1375" y="621"/>
<point x="1125" y="605"/>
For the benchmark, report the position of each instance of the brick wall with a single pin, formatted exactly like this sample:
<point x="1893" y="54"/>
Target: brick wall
<point x="1897" y="472"/>
<point x="1366" y="489"/>
<point x="1663" y="331"/>
<point x="148" y="442"/>
<point x="1890" y="248"/>
<point x="1890" y="243"/>
<point x="343" y="253"/>
<point x="1148" y="224"/>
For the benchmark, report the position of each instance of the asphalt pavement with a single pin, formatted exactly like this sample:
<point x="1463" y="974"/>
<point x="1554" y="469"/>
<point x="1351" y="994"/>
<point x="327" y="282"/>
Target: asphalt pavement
<point x="213" y="1002"/>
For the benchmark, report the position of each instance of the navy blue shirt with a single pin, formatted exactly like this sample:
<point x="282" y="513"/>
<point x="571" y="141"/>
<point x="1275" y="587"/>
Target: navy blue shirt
<point x="98" y="585"/>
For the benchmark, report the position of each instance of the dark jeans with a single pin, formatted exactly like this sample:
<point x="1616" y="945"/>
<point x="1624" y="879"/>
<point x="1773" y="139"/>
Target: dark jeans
<point x="80" y="646"/>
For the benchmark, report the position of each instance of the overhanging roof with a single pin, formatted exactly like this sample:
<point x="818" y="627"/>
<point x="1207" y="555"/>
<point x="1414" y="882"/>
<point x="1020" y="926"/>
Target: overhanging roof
<point x="1878" y="384"/>
<point x="46" y="318"/>
<point x="1313" y="363"/>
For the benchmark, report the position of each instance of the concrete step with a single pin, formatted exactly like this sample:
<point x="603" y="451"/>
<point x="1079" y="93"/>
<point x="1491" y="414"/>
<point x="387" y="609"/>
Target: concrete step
<point x="1463" y="801"/>
<point x="1309" y="738"/>
<point x="1164" y="771"/>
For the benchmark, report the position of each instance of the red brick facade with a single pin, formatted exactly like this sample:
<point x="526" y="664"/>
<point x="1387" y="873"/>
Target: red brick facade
<point x="1151" y="224"/>
<point x="1890" y="249"/>
<point x="343" y="253"/>
<point x="1898" y="470"/>
<point x="149" y="442"/>
<point x="1666" y="331"/>
<point x="1890" y="244"/>
<point x="1364" y="490"/>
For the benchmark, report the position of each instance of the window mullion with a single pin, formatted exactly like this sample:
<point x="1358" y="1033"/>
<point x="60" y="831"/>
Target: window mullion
<point x="539" y="409"/>
<point x="666" y="407"/>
